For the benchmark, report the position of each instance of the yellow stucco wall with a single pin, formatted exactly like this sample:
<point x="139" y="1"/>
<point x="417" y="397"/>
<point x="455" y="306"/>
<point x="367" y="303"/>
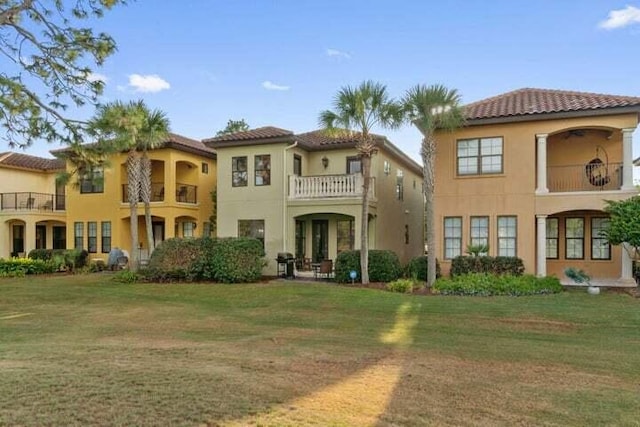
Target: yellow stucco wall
<point x="512" y="192"/>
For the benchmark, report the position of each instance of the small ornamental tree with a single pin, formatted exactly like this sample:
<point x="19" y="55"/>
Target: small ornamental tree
<point x="624" y="227"/>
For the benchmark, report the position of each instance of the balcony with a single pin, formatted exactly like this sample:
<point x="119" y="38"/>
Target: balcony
<point x="590" y="177"/>
<point x="157" y="192"/>
<point x="186" y="193"/>
<point x="327" y="187"/>
<point x="30" y="201"/>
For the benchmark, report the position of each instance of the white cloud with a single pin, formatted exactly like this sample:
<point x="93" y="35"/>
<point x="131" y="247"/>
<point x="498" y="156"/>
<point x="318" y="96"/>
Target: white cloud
<point x="338" y="53"/>
<point x="621" y="18"/>
<point x="150" y="83"/>
<point x="272" y="86"/>
<point x="94" y="77"/>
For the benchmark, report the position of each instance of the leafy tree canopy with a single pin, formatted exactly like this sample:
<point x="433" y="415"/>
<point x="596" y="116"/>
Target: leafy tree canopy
<point x="625" y="222"/>
<point x="50" y="57"/>
<point x="234" y="126"/>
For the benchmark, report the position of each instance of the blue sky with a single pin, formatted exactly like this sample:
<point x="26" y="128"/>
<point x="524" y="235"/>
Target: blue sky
<point x="280" y="62"/>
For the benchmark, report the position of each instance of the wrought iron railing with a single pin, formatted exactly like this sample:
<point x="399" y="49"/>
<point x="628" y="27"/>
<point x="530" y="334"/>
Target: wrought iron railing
<point x="589" y="177"/>
<point x="31" y="201"/>
<point x="186" y="193"/>
<point x="157" y="192"/>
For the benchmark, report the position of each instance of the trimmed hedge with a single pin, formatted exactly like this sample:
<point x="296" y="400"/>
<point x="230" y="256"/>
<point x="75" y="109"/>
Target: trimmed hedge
<point x="226" y="260"/>
<point x="482" y="284"/>
<point x="417" y="269"/>
<point x="384" y="266"/>
<point x="70" y="259"/>
<point x="487" y="264"/>
<point x="19" y="267"/>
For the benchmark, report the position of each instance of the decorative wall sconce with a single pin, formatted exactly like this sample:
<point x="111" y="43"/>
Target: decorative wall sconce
<point x="325" y="162"/>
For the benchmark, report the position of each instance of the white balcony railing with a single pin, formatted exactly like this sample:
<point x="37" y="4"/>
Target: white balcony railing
<point x="328" y="186"/>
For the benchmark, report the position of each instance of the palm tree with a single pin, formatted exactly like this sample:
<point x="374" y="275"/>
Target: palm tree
<point x="431" y="108"/>
<point x="132" y="127"/>
<point x="356" y="111"/>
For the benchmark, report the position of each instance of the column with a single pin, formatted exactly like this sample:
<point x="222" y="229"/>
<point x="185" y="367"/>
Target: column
<point x="29" y="236"/>
<point x="541" y="245"/>
<point x="627" y="159"/>
<point x="626" y="270"/>
<point x="541" y="161"/>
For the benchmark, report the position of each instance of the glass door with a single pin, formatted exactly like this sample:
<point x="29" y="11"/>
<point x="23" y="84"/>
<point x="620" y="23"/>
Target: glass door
<point x="320" y="231"/>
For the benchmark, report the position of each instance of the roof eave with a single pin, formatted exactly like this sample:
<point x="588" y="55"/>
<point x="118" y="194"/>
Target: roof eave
<point x="245" y="142"/>
<point x="553" y="116"/>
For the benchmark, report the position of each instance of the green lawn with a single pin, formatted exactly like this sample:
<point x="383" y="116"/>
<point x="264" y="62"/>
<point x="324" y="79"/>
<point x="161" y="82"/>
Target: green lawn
<point x="81" y="350"/>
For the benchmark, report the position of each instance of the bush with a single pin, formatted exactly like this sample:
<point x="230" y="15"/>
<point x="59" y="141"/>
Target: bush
<point x="483" y="284"/>
<point x="405" y="286"/>
<point x="486" y="264"/>
<point x="19" y="267"/>
<point x="125" y="276"/>
<point x="417" y="269"/>
<point x="69" y="259"/>
<point x="228" y="260"/>
<point x="384" y="266"/>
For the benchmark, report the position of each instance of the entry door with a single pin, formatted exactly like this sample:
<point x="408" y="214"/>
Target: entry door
<point x="59" y="237"/>
<point x="320" y="230"/>
<point x="18" y="239"/>
<point x="41" y="237"/>
<point x="158" y="233"/>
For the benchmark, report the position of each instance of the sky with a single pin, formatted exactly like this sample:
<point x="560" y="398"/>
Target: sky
<point x="280" y="62"/>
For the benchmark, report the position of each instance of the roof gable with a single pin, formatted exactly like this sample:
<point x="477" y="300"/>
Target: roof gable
<point x="257" y="134"/>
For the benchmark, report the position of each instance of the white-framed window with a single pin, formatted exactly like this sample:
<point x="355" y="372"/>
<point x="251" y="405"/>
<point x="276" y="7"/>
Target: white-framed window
<point x="553" y="237"/>
<point x="479" y="231"/>
<point x="188" y="229"/>
<point x="239" y="171"/>
<point x="600" y="247"/>
<point x="479" y="156"/>
<point x="452" y="237"/>
<point x="263" y="170"/>
<point x="574" y="238"/>
<point x="507" y="235"/>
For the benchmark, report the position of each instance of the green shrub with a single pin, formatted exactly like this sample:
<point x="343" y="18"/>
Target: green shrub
<point x="384" y="266"/>
<point x="19" y="267"/>
<point x="417" y="269"/>
<point x="69" y="259"/>
<point x="483" y="284"/>
<point x="228" y="260"/>
<point x="405" y="286"/>
<point x="486" y="264"/>
<point x="125" y="276"/>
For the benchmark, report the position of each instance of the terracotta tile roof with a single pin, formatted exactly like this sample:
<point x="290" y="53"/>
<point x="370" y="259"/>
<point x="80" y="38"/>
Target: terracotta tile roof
<point x="320" y="140"/>
<point x="26" y="161"/>
<point x="528" y="101"/>
<point x="266" y="132"/>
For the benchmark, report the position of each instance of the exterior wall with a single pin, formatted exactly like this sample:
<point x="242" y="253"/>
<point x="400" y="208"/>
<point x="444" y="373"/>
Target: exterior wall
<point x="178" y="167"/>
<point x="513" y="191"/>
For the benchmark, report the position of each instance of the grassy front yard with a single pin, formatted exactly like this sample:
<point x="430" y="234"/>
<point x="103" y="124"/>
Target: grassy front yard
<point x="82" y="350"/>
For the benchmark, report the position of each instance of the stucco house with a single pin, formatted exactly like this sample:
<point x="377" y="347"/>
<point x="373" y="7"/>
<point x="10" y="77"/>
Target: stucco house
<point x="529" y="174"/>
<point x="302" y="194"/>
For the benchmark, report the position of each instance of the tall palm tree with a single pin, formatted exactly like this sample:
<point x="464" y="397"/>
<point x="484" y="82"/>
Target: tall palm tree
<point x="431" y="108"/>
<point x="356" y="111"/>
<point x="132" y="127"/>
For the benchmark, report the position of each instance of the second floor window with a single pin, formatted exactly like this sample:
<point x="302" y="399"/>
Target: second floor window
<point x="92" y="180"/>
<point x="263" y="170"/>
<point x="297" y="165"/>
<point x="479" y="156"/>
<point x="400" y="185"/>
<point x="239" y="171"/>
<point x="354" y="165"/>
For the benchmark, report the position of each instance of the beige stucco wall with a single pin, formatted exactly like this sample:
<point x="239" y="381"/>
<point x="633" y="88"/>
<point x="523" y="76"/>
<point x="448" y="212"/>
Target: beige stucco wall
<point x="513" y="191"/>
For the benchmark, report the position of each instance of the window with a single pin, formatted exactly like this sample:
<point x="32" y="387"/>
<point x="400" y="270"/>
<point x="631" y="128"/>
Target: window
<point x="346" y="235"/>
<point x="507" y="235"/>
<point x="354" y="165"/>
<point x="600" y="248"/>
<point x="239" y="171"/>
<point x="574" y="238"/>
<point x="400" y="185"/>
<point x="92" y="180"/>
<point x="479" y="156"/>
<point x="78" y="235"/>
<point x="387" y="167"/>
<point x="406" y="234"/>
<point x="106" y="237"/>
<point x="552" y="238"/>
<point x="92" y="233"/>
<point x="59" y="237"/>
<point x="205" y="168"/>
<point x="251" y="228"/>
<point x="206" y="229"/>
<point x="263" y="170"/>
<point x="452" y="237"/>
<point x="480" y="232"/>
<point x="188" y="229"/>
<point x="297" y="165"/>
<point x="300" y="239"/>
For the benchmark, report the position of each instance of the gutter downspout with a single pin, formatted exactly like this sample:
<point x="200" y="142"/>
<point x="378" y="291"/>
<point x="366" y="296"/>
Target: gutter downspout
<point x="284" y="195"/>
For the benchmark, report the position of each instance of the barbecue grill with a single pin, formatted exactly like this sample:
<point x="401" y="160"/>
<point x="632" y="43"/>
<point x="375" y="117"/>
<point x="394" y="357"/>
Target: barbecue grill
<point x="286" y="262"/>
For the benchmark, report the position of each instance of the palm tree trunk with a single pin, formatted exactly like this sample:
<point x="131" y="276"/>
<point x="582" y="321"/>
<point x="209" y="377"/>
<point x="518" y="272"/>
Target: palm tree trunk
<point x="364" y="229"/>
<point x="133" y="188"/>
<point x="145" y="196"/>
<point x="428" y="153"/>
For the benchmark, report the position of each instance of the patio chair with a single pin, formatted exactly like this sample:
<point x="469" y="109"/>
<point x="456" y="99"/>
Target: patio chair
<point x="326" y="268"/>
